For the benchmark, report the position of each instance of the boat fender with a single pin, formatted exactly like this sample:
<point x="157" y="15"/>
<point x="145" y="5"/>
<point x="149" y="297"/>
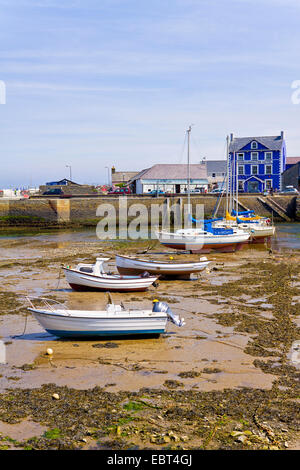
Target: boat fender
<point x="164" y="307"/>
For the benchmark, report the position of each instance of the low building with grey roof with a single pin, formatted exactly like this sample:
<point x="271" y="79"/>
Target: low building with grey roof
<point x="170" y="178"/>
<point x="216" y="173"/>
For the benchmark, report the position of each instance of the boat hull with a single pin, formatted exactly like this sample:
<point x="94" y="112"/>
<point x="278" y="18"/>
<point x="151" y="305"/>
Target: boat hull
<point x="132" y="323"/>
<point x="206" y="248"/>
<point x="259" y="233"/>
<point x="84" y="281"/>
<point x="127" y="265"/>
<point x="262" y="235"/>
<point x="206" y="243"/>
<point x="260" y="239"/>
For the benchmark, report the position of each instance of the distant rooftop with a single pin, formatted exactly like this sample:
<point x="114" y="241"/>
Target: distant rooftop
<point x="292" y="160"/>
<point x="64" y="181"/>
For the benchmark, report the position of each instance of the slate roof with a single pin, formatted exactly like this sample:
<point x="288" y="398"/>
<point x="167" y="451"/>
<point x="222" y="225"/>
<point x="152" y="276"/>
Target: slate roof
<point x="172" y="171"/>
<point x="216" y="166"/>
<point x="271" y="142"/>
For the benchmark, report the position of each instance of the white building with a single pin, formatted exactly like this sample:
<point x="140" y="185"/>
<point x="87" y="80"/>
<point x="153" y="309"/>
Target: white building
<point x="170" y="178"/>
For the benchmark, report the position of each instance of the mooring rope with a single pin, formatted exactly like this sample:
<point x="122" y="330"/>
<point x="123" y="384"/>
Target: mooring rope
<point x="59" y="276"/>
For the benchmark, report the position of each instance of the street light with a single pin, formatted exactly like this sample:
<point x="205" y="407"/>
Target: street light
<point x="69" y="166"/>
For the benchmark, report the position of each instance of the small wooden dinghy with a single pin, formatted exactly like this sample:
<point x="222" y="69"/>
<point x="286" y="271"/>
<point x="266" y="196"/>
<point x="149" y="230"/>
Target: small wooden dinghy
<point x="116" y="320"/>
<point x="93" y="277"/>
<point x="129" y="265"/>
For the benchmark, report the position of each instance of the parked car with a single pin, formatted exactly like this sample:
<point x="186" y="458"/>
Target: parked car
<point x="56" y="192"/>
<point x="53" y="192"/>
<point x="217" y="191"/>
<point x="120" y="191"/>
<point x="154" y="192"/>
<point x="196" y="190"/>
<point x="290" y="190"/>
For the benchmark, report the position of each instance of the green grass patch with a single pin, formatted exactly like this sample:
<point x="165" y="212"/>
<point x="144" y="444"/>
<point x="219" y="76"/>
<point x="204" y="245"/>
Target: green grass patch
<point x="133" y="406"/>
<point x="52" y="434"/>
<point x="124" y="420"/>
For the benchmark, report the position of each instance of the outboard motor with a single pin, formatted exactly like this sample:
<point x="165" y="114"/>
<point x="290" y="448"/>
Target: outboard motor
<point x="145" y="274"/>
<point x="164" y="307"/>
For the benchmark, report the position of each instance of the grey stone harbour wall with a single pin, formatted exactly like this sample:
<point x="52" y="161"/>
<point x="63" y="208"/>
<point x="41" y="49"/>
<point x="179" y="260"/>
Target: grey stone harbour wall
<point x="82" y="211"/>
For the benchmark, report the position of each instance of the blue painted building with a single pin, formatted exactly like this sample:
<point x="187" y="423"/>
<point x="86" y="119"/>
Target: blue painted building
<point x="259" y="161"/>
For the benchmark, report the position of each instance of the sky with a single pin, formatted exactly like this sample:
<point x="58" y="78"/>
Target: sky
<point x="97" y="83"/>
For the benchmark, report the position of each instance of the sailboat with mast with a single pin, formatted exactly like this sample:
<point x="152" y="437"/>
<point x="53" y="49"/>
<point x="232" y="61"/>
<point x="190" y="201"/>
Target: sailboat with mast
<point x="259" y="228"/>
<point x="206" y="239"/>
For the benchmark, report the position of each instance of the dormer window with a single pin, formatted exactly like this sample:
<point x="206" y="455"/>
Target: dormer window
<point x="254" y="145"/>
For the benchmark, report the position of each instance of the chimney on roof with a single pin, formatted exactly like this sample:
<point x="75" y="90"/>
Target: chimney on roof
<point x="231" y="137"/>
<point x="282" y="135"/>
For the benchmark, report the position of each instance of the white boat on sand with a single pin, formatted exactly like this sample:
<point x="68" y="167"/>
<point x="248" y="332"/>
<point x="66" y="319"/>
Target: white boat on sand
<point x="204" y="241"/>
<point x="93" y="277"/>
<point x="115" y="320"/>
<point x="168" y="269"/>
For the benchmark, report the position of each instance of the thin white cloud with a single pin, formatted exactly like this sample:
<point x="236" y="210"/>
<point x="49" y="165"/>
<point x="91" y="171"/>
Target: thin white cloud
<point x="56" y="87"/>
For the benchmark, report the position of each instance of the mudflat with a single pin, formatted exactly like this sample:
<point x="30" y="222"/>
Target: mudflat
<point x="227" y="380"/>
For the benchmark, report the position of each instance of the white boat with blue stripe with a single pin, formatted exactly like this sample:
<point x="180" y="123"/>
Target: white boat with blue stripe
<point x="115" y="320"/>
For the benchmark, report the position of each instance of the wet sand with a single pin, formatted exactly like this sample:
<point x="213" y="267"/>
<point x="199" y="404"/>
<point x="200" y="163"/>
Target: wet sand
<point x="226" y="344"/>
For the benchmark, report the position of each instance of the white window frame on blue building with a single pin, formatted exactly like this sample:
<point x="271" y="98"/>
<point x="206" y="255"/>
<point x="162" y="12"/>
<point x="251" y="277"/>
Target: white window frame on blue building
<point x="254" y="145"/>
<point x="240" y="157"/>
<point x="254" y="166"/>
<point x="270" y="157"/>
<point x="241" y="170"/>
<point x="254" y="159"/>
<point x="268" y="172"/>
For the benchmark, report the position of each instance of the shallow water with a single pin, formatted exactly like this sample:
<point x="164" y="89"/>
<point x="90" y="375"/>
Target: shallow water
<point x="287" y="236"/>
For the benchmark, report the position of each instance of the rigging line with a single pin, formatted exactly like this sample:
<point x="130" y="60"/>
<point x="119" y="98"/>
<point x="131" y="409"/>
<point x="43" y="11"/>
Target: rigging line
<point x="25" y="326"/>
<point x="196" y="144"/>
<point x="183" y="148"/>
<point x="219" y="199"/>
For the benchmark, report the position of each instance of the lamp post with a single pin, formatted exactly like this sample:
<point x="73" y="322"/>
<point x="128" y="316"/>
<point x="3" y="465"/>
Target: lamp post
<point x="69" y="166"/>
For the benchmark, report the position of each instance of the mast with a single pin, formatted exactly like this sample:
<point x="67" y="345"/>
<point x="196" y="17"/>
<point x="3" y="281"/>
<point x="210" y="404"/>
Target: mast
<point x="231" y="183"/>
<point x="189" y="170"/>
<point x="237" y="186"/>
<point x="227" y="174"/>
